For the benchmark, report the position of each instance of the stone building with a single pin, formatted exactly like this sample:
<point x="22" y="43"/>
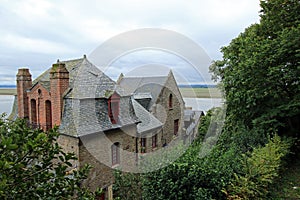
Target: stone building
<point x="107" y="124"/>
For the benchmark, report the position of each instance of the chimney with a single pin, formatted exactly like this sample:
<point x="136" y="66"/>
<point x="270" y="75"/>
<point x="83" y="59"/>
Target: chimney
<point x="23" y="84"/>
<point x="59" y="83"/>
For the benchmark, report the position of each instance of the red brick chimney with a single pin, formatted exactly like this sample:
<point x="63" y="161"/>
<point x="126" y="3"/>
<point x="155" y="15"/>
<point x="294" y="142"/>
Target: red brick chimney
<point x="59" y="83"/>
<point x="23" y="84"/>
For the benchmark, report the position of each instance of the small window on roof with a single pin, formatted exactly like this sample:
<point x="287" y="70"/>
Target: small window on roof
<point x="113" y="108"/>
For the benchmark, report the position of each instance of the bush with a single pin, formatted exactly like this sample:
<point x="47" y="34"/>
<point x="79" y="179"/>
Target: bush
<point x="33" y="166"/>
<point x="259" y="169"/>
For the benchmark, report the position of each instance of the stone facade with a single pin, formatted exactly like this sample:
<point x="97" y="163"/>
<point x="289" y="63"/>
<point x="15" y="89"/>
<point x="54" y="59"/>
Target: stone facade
<point x="169" y="112"/>
<point x="105" y="124"/>
<point x="162" y="98"/>
<point x="96" y="150"/>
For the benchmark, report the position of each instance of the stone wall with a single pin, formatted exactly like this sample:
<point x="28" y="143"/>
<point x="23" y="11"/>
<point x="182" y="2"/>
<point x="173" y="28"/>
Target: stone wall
<point x="167" y="114"/>
<point x="70" y="145"/>
<point x="95" y="149"/>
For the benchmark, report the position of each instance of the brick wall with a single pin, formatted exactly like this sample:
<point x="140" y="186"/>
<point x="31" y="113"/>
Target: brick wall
<point x="43" y="108"/>
<point x="23" y="84"/>
<point x="59" y="83"/>
<point x="39" y="114"/>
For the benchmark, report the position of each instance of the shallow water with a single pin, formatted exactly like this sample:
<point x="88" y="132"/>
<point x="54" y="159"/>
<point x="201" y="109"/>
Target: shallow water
<point x="6" y="103"/>
<point x="203" y="104"/>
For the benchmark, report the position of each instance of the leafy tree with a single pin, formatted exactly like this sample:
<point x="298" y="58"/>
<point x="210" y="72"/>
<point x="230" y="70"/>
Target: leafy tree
<point x="127" y="185"/>
<point x="260" y="168"/>
<point x="193" y="176"/>
<point x="260" y="71"/>
<point x="33" y="166"/>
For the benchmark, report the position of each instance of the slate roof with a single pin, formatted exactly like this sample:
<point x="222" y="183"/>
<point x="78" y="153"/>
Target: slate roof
<point x="148" y="121"/>
<point x="139" y="86"/>
<point x="85" y="80"/>
<point x="142" y="96"/>
<point x="90" y="82"/>
<point x="191" y="119"/>
<point x="87" y="116"/>
<point x="85" y="102"/>
<point x="71" y="66"/>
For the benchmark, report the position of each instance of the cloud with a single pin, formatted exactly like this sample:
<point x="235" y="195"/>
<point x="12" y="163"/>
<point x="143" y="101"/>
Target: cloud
<point x="157" y="63"/>
<point x="44" y="30"/>
<point x="34" y="44"/>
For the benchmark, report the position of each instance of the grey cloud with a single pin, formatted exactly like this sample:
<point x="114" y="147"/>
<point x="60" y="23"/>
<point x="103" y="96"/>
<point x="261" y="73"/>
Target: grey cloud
<point x="82" y="26"/>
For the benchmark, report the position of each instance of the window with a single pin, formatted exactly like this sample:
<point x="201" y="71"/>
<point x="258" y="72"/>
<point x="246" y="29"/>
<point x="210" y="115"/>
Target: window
<point x="143" y="145"/>
<point x="102" y="195"/>
<point x="48" y="115"/>
<point x="113" y="111"/>
<point x="115" y="153"/>
<point x="170" y="101"/>
<point x="154" y="141"/>
<point x="33" y="118"/>
<point x="113" y="108"/>
<point x="176" y="126"/>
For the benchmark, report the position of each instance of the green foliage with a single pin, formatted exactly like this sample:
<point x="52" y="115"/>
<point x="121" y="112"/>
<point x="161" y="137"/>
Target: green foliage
<point x="286" y="185"/>
<point x="194" y="176"/>
<point x="260" y="71"/>
<point x="33" y="166"/>
<point x="127" y="185"/>
<point x="211" y="123"/>
<point x="259" y="75"/>
<point x="259" y="169"/>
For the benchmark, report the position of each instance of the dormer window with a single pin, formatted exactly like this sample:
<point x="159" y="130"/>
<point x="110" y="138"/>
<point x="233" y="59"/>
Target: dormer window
<point x="113" y="108"/>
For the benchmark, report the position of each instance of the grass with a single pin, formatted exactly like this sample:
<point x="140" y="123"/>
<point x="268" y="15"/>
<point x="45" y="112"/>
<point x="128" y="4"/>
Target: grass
<point x="287" y="186"/>
<point x="201" y="92"/>
<point x="8" y="91"/>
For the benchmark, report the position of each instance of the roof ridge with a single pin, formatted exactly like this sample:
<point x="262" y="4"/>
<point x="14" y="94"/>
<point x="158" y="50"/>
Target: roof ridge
<point x="160" y="76"/>
<point x="72" y="60"/>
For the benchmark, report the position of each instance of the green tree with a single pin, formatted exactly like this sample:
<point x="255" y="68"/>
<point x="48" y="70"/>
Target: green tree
<point x="33" y="166"/>
<point x="260" y="71"/>
<point x="127" y="185"/>
<point x="260" y="168"/>
<point x="193" y="176"/>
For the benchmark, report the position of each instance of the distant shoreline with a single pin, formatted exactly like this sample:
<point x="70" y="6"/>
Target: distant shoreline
<point x="200" y="92"/>
<point x="8" y="91"/>
<point x="185" y="92"/>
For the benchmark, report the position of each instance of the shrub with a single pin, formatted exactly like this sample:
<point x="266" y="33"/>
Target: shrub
<point x="260" y="167"/>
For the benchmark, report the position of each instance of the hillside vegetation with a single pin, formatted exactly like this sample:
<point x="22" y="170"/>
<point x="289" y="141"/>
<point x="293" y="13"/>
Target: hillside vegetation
<point x="256" y="156"/>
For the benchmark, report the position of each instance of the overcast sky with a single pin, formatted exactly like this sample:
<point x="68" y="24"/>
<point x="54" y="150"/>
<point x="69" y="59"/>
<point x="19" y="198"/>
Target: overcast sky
<point x="35" y="33"/>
